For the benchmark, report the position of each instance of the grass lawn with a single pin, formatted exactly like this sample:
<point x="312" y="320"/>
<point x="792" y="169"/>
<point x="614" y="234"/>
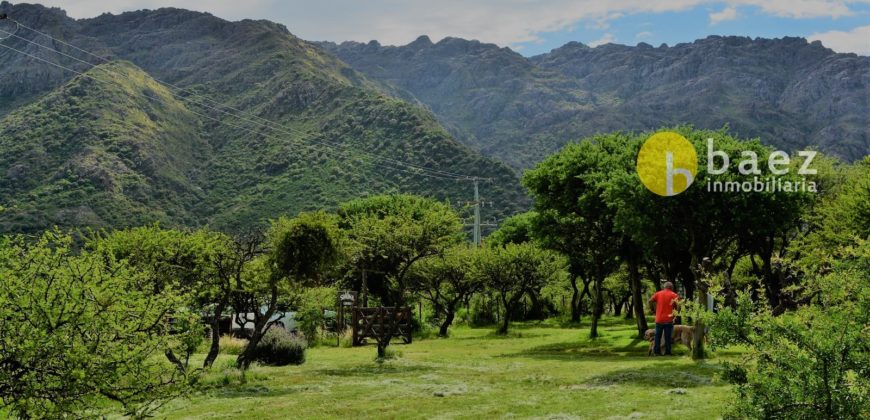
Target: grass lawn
<point x="537" y="371"/>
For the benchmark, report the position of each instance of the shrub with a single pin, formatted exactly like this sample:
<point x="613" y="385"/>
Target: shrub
<point x="425" y="331"/>
<point x="83" y="334"/>
<point x="808" y="363"/>
<point x="309" y="320"/>
<point x="279" y="348"/>
<point x="346" y="339"/>
<point x="232" y="345"/>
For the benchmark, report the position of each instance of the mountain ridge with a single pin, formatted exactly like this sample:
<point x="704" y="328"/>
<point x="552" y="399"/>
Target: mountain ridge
<point x="261" y="168"/>
<point x="782" y="90"/>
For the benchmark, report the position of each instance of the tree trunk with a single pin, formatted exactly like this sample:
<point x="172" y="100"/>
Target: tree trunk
<point x="448" y="319"/>
<point x="772" y="285"/>
<point x="575" y="300"/>
<point x="623" y="303"/>
<point x="617" y="305"/>
<point x="215" y="336"/>
<point x="597" y="305"/>
<point x="689" y="282"/>
<point x="698" y="338"/>
<point x="637" y="297"/>
<point x="730" y="293"/>
<point x="503" y="329"/>
<point x="247" y="356"/>
<point x="655" y="275"/>
<point x="583" y="294"/>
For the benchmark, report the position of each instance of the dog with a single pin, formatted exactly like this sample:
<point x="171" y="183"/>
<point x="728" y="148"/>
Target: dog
<point x="682" y="334"/>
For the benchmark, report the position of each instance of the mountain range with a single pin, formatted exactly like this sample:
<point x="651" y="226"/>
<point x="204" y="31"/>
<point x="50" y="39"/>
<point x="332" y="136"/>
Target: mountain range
<point x="789" y="93"/>
<point x="192" y="120"/>
<point x="295" y="129"/>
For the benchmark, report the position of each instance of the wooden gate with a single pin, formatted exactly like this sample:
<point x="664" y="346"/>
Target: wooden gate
<point x="381" y="324"/>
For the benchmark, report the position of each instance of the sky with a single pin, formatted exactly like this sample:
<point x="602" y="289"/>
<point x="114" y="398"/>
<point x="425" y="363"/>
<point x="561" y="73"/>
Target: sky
<point x="534" y="27"/>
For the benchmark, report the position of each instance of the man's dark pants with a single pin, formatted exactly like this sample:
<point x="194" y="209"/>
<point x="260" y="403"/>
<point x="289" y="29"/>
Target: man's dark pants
<point x="668" y="331"/>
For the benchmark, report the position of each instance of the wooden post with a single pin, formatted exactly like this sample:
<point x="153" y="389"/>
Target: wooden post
<point x="355" y="326"/>
<point x="365" y="290"/>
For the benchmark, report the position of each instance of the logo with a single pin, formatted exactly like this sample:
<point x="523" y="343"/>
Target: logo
<point x="667" y="163"/>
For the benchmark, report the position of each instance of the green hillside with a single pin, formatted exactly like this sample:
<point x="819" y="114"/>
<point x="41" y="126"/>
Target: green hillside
<point x="265" y="124"/>
<point x="113" y="149"/>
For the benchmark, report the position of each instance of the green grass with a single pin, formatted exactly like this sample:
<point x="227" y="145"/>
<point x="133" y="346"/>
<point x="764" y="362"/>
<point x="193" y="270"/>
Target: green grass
<point x="537" y="371"/>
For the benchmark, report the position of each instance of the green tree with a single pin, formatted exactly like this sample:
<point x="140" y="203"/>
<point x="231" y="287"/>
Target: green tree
<point x="446" y="280"/>
<point x="698" y="225"/>
<point x="301" y="251"/>
<point x="515" y="229"/>
<point x="392" y="232"/>
<point x="193" y="263"/>
<point x="84" y="332"/>
<point x="519" y="229"/>
<point x="511" y="271"/>
<point x="839" y="221"/>
<point x="574" y="218"/>
<point x="813" y="362"/>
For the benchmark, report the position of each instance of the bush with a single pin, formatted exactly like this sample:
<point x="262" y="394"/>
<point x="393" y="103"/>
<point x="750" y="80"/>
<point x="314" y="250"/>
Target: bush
<point x="346" y="339"/>
<point x="309" y="321"/>
<point x="81" y="331"/>
<point x="812" y="362"/>
<point x="279" y="348"/>
<point x="425" y="331"/>
<point x="232" y="345"/>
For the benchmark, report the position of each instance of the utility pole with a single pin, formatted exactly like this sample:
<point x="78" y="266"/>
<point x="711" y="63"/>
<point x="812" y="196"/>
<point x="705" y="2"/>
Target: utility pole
<point x="476" y="214"/>
<point x="477" y="203"/>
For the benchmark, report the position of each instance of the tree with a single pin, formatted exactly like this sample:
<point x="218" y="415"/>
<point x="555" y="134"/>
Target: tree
<point x="511" y="271"/>
<point x="191" y="262"/>
<point x="302" y="251"/>
<point x="574" y="218"/>
<point x="812" y="362"/>
<point x="839" y="220"/>
<point x="446" y="280"/>
<point x="392" y="232"/>
<point x="698" y="225"/>
<point x="519" y="229"/>
<point x="84" y="332"/>
<point x="515" y="229"/>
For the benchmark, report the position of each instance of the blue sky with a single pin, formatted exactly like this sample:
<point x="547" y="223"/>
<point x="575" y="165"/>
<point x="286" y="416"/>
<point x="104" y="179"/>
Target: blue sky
<point x="533" y="27"/>
<point x="684" y="26"/>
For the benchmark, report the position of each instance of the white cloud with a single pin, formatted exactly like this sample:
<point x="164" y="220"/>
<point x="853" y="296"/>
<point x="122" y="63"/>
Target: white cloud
<point x="606" y="39"/>
<point x="728" y="13"/>
<point x="800" y="9"/>
<point x="642" y="35"/>
<point x="855" y="41"/>
<point x="504" y="22"/>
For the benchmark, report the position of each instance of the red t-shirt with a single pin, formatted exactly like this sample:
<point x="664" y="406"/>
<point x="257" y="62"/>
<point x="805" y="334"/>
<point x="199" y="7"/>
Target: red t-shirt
<point x="665" y="301"/>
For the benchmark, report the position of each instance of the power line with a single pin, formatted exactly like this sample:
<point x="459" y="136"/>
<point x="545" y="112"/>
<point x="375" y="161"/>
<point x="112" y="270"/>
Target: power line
<point x="264" y="123"/>
<point x="82" y="74"/>
<point x="385" y="162"/>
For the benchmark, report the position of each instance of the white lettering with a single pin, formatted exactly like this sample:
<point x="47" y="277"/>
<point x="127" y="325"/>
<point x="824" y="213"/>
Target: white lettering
<point x="776" y="159"/>
<point x="711" y="159"/>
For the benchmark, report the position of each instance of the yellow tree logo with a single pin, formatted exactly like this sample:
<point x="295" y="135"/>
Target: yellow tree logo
<point x="667" y="163"/>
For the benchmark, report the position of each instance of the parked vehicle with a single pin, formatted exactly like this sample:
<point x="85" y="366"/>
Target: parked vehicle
<point x="285" y="320"/>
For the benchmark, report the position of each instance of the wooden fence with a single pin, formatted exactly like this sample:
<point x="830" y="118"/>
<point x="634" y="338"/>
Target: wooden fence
<point x="381" y="324"/>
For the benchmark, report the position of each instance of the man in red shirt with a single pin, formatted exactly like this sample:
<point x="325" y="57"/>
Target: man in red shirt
<point x="663" y="303"/>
